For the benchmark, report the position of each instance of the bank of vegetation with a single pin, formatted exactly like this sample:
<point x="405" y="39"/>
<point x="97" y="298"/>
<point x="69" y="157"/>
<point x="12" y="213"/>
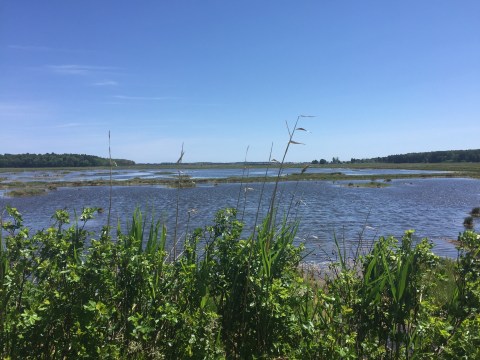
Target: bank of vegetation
<point x="53" y="160"/>
<point x="227" y="294"/>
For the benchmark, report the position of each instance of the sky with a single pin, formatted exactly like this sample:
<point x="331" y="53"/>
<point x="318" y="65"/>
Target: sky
<point x="225" y="78"/>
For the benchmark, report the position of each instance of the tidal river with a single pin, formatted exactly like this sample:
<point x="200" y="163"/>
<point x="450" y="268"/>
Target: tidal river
<point x="434" y="208"/>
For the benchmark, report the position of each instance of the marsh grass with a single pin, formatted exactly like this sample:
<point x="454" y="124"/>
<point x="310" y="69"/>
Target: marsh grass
<point x="110" y="190"/>
<point x="27" y="191"/>
<point x="179" y="182"/>
<point x="371" y="184"/>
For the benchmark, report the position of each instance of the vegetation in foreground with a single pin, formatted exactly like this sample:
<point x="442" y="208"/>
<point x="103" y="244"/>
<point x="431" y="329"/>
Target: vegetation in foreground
<point x="65" y="293"/>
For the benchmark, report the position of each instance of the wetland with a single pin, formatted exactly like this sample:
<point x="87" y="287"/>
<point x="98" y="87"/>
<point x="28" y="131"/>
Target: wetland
<point x="353" y="203"/>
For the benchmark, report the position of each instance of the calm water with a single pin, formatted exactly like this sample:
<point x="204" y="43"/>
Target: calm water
<point x="435" y="208"/>
<point x="84" y="175"/>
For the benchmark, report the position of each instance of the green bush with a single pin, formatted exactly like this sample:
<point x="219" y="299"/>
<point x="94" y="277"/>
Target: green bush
<point x="66" y="294"/>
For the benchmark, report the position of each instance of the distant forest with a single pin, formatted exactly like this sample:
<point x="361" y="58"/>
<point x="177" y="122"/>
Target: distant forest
<point x="427" y="157"/>
<point x="56" y="160"/>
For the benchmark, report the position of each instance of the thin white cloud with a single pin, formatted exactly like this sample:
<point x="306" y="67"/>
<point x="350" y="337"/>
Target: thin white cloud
<point x="147" y="98"/>
<point x="105" y="83"/>
<point x="74" y="69"/>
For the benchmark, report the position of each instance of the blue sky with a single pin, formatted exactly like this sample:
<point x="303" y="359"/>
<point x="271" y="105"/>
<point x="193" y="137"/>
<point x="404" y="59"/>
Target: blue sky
<point x="381" y="77"/>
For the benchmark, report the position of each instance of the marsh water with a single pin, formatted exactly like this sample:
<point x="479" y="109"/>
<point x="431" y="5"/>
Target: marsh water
<point x="204" y="173"/>
<point x="434" y="208"/>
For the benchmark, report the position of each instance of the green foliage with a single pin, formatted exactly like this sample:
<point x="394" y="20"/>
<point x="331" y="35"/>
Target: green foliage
<point x="66" y="294"/>
<point x="254" y="287"/>
<point x="122" y="298"/>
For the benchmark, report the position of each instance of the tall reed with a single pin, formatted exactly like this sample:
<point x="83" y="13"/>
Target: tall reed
<point x="179" y="185"/>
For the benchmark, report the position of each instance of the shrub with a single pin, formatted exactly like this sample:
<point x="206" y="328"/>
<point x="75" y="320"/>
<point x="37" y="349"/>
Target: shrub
<point x="66" y="294"/>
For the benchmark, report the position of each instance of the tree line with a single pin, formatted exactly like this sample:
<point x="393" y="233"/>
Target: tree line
<point x="420" y="157"/>
<point x="432" y="157"/>
<point x="57" y="160"/>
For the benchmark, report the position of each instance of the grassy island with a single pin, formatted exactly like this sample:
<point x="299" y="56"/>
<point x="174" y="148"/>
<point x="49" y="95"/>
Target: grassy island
<point x="447" y="170"/>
